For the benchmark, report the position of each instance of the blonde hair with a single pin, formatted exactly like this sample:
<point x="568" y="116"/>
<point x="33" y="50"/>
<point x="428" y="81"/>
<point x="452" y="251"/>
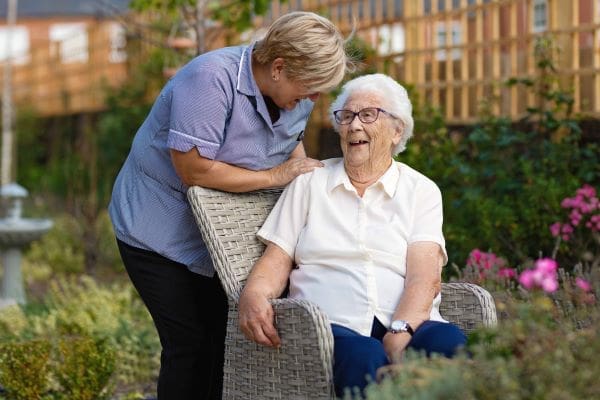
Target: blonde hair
<point x="393" y="95"/>
<point x="312" y="48"/>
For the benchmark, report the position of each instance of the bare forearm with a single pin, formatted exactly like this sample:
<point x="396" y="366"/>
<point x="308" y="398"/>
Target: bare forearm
<point x="416" y="301"/>
<point x="195" y="170"/>
<point x="299" y="151"/>
<point x="270" y="274"/>
<point x="229" y="178"/>
<point x="422" y="284"/>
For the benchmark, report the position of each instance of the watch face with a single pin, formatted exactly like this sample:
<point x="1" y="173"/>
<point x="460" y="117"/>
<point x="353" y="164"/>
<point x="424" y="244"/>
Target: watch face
<point x="398" y="326"/>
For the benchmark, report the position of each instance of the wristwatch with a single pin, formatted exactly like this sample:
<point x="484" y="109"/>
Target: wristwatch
<point x="400" y="325"/>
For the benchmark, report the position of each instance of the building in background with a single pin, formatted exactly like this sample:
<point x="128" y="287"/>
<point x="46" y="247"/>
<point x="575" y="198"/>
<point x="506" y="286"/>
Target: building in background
<point x="64" y="52"/>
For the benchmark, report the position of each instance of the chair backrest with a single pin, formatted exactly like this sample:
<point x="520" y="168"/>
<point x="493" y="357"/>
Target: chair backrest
<point x="229" y="223"/>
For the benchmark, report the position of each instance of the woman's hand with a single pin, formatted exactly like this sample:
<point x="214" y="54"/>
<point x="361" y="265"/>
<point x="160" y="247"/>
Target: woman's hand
<point x="394" y="345"/>
<point x="285" y="172"/>
<point x="257" y="319"/>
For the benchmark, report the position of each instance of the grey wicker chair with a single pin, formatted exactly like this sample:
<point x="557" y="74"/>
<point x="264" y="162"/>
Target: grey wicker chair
<point x="302" y="367"/>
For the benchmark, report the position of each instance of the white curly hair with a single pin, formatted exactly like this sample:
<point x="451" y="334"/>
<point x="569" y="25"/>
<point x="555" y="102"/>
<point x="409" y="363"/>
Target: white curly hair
<point x="393" y="95"/>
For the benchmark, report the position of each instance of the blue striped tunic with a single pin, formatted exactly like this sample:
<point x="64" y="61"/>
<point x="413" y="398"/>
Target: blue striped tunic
<point x="214" y="105"/>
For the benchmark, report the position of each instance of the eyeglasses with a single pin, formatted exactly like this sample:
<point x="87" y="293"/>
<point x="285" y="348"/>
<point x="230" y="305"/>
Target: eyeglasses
<point x="366" y="115"/>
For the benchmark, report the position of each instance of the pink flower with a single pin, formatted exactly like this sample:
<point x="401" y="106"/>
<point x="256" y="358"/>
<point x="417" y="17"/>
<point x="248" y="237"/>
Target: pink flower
<point x="546" y="265"/>
<point x="566" y="228"/>
<point x="555" y="229"/>
<point x="583" y="284"/>
<point x="526" y="279"/>
<point x="549" y="284"/>
<point x="575" y="217"/>
<point x="567" y="202"/>
<point x="587" y="191"/>
<point x="542" y="276"/>
<point x="474" y="257"/>
<point x="507" y="273"/>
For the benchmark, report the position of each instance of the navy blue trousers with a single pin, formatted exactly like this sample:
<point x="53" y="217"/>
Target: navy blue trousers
<point x="357" y="357"/>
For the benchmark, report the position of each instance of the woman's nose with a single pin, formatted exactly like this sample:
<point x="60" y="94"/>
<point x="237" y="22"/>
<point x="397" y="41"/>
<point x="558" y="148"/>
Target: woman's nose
<point x="355" y="123"/>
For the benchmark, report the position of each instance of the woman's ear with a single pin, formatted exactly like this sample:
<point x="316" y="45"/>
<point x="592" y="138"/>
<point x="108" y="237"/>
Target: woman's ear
<point x="277" y="68"/>
<point x="397" y="135"/>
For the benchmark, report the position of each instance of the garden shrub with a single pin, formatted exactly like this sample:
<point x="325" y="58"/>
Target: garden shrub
<point x="536" y="353"/>
<point x="24" y="368"/>
<point x="60" y="250"/>
<point x="578" y="232"/>
<point x="85" y="366"/>
<point x="110" y="314"/>
<point x="81" y="306"/>
<point x="503" y="182"/>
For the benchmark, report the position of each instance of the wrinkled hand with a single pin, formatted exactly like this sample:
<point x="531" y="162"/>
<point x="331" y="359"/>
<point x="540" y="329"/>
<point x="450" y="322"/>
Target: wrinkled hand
<point x="257" y="319"/>
<point x="394" y="345"/>
<point x="285" y="172"/>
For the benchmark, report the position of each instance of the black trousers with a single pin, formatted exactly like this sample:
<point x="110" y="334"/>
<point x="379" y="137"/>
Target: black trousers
<point x="190" y="315"/>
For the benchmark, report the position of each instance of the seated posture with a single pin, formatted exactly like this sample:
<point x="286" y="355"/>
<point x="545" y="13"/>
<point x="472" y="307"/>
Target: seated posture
<point x="362" y="238"/>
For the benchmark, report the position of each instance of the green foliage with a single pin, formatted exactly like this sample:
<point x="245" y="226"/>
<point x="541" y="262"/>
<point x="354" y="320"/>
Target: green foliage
<point x="503" y="182"/>
<point x="363" y="56"/>
<point x="533" y="354"/>
<point x="24" y="368"/>
<point x="112" y="315"/>
<point x="232" y="14"/>
<point x="60" y="250"/>
<point x="28" y="128"/>
<point x="76" y="169"/>
<point x="238" y="14"/>
<point x="84" y="368"/>
<point x="74" y="368"/>
<point x="127" y="107"/>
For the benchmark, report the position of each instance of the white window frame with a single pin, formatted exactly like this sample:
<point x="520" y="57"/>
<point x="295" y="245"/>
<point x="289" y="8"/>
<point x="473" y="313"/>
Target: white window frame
<point x="391" y="39"/>
<point x="440" y="40"/>
<point x="69" y="41"/>
<point x="539" y="16"/>
<point x="118" y="43"/>
<point x="19" y="44"/>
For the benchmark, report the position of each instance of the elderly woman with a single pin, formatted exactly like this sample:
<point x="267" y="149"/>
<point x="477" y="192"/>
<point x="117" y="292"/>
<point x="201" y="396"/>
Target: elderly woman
<point x="362" y="238"/>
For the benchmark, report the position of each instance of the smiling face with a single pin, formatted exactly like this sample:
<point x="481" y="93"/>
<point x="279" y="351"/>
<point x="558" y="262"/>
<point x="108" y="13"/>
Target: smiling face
<point x="368" y="147"/>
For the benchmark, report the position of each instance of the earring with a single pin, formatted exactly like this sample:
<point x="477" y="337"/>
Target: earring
<point x="275" y="78"/>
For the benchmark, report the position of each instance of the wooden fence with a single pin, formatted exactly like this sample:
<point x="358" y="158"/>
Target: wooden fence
<point x="456" y="53"/>
<point x="459" y="53"/>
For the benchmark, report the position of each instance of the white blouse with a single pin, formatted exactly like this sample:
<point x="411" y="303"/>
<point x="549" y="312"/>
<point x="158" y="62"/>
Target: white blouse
<point x="350" y="252"/>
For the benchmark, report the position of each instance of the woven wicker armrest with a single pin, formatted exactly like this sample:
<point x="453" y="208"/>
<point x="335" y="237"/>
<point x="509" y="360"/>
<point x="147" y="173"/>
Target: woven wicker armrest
<point x="467" y="305"/>
<point x="300" y="369"/>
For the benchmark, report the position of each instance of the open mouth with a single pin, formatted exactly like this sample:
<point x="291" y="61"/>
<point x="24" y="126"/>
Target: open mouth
<point x="358" y="142"/>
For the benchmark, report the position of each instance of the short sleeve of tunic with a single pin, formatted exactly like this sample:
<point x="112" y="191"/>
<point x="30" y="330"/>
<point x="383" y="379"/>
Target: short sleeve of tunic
<point x="428" y="215"/>
<point x="286" y="221"/>
<point x="200" y="106"/>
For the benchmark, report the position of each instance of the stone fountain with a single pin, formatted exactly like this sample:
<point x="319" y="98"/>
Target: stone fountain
<point x="16" y="232"/>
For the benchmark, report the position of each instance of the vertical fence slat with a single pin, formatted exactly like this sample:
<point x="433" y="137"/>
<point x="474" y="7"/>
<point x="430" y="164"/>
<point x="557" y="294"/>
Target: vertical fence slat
<point x="596" y="53"/>
<point x="514" y="68"/>
<point x="574" y="56"/>
<point x="479" y="49"/>
<point x="464" y="62"/>
<point x="449" y="62"/>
